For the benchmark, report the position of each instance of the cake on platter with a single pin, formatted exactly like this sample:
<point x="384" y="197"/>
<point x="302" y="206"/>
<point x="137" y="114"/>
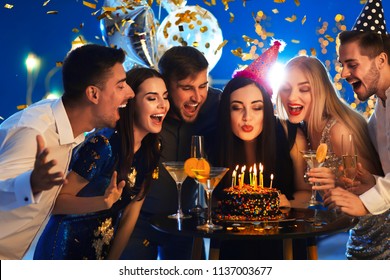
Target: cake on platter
<point x="245" y="202"/>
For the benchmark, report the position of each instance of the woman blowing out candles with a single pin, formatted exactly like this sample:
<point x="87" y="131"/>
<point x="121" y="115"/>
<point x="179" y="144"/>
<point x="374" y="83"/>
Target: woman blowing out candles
<point x="252" y="134"/>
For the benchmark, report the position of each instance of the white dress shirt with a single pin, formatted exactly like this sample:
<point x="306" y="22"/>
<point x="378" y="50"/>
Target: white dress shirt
<point x="21" y="213"/>
<point x="377" y="199"/>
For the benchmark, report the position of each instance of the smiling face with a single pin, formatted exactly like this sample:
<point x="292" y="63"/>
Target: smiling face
<point x="188" y="95"/>
<point x="296" y="95"/>
<point x="114" y="95"/>
<point x="359" y="71"/>
<point x="246" y="112"/>
<point x="151" y="106"/>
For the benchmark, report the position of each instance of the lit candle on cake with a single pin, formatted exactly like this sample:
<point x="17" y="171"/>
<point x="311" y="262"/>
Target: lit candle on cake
<point x="250" y="177"/>
<point x="243" y="174"/>
<point x="272" y="178"/>
<point x="234" y="175"/>
<point x="254" y="176"/>
<point x="261" y="175"/>
<point x="239" y="180"/>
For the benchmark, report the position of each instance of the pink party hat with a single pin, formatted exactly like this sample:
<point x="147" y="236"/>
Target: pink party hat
<point x="259" y="68"/>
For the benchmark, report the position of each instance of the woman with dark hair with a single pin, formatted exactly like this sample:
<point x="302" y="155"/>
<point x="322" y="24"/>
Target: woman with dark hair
<point x="252" y="134"/>
<point x="94" y="216"/>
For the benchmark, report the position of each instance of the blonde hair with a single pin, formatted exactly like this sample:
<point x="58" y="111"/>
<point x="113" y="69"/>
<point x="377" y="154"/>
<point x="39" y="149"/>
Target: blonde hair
<point x="327" y="104"/>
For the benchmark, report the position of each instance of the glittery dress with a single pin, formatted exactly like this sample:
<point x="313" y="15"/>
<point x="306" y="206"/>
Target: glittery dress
<point x="89" y="236"/>
<point x="370" y="238"/>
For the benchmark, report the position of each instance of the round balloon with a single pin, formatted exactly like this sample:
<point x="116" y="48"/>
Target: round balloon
<point x="191" y="26"/>
<point x="172" y="5"/>
<point x="131" y="26"/>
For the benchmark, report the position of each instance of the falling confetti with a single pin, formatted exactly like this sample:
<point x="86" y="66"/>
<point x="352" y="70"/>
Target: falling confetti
<point x="89" y="5"/>
<point x="291" y="19"/>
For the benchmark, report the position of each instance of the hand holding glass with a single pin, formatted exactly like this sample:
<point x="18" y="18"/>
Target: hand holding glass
<point x="176" y="170"/>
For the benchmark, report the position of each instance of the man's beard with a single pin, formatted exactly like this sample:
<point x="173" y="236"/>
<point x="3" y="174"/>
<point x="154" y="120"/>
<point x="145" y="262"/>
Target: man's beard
<point x="373" y="78"/>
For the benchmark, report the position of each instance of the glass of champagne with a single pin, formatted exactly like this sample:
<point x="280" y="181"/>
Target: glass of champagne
<point x="209" y="180"/>
<point x="349" y="156"/>
<point x="197" y="151"/>
<point x="176" y="170"/>
<point x="312" y="162"/>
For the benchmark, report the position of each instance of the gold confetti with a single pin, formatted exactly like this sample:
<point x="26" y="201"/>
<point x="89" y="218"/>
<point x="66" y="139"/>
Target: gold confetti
<point x="297" y="3"/>
<point x="47" y="2"/>
<point x="275" y="11"/>
<point x="75" y="30"/>
<point x="8" y="6"/>
<point x="295" y="41"/>
<point x="21" y="107"/>
<point x="52" y="12"/>
<point x="89" y="5"/>
<point x="303" y="20"/>
<point x="231" y="19"/>
<point x="146" y="242"/>
<point x="237" y="52"/>
<point x="339" y="18"/>
<point x="59" y="64"/>
<point x="329" y="38"/>
<point x="279" y="1"/>
<point x="109" y="9"/>
<point x="313" y="51"/>
<point x="221" y="46"/>
<point x="291" y="19"/>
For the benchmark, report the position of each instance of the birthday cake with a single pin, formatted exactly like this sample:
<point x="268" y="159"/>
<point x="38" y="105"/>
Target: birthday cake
<point x="249" y="203"/>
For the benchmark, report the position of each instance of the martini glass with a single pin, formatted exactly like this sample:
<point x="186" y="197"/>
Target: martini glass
<point x="311" y="160"/>
<point x="209" y="180"/>
<point x="176" y="170"/>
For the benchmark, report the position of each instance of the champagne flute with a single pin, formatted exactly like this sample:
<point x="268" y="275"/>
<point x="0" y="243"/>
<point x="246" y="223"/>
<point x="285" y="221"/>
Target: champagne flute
<point x="312" y="162"/>
<point x="176" y="170"/>
<point x="349" y="156"/>
<point x="197" y="151"/>
<point x="209" y="180"/>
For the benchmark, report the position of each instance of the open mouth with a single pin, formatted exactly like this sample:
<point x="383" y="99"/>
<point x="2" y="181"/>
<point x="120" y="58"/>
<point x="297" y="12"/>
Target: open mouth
<point x="356" y="85"/>
<point x="191" y="107"/>
<point x="122" y="106"/>
<point x="158" y="118"/>
<point x="295" y="109"/>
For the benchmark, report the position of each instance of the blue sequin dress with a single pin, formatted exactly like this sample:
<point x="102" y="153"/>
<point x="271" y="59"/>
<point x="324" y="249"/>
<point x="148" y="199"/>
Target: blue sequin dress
<point x="89" y="236"/>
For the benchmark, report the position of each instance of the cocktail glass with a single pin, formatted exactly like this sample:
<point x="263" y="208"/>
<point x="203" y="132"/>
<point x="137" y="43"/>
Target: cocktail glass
<point x="311" y="160"/>
<point x="176" y="170"/>
<point x="209" y="180"/>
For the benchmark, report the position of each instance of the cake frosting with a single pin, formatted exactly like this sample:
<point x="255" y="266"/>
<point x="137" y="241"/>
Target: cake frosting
<point x="249" y="203"/>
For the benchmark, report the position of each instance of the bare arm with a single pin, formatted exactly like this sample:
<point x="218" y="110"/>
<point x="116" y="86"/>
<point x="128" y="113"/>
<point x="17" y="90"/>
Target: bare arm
<point x="126" y="227"/>
<point x="68" y="203"/>
<point x="302" y="190"/>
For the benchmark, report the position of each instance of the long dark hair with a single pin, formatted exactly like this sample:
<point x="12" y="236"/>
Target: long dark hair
<point x="230" y="150"/>
<point x="125" y="127"/>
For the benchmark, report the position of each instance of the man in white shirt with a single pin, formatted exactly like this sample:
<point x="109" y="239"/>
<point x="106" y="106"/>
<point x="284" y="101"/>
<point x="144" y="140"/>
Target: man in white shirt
<point x="36" y="143"/>
<point x="365" y="58"/>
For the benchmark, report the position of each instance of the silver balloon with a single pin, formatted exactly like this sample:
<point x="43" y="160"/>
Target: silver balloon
<point x="131" y="27"/>
<point x="192" y="26"/>
<point x="173" y="5"/>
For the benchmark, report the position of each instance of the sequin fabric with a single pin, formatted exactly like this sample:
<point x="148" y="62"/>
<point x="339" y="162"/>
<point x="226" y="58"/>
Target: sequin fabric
<point x="370" y="238"/>
<point x="89" y="236"/>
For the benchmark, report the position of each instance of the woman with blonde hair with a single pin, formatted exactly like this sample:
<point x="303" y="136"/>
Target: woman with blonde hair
<point x="308" y="96"/>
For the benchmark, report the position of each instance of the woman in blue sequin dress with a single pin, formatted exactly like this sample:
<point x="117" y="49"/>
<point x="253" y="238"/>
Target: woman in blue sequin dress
<point x="94" y="215"/>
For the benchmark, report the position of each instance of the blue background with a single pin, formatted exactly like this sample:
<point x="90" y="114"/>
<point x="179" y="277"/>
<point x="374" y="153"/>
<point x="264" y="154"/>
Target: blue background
<point x="28" y="28"/>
